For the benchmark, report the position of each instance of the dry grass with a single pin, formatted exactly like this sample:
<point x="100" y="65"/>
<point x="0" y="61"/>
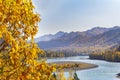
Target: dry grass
<point x="68" y="65"/>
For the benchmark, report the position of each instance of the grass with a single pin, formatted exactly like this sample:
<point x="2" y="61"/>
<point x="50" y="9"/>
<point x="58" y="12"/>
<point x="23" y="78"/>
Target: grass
<point x="69" y="65"/>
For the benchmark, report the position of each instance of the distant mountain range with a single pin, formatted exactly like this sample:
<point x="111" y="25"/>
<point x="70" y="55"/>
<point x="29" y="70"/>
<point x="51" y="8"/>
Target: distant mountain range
<point x="50" y="36"/>
<point x="95" y="39"/>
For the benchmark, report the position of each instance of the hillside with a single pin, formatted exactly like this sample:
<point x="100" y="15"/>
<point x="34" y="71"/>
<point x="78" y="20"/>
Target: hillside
<point x="50" y="36"/>
<point x="90" y="40"/>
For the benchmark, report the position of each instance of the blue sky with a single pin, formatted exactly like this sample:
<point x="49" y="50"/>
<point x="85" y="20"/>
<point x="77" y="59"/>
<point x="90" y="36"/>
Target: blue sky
<point x="76" y="15"/>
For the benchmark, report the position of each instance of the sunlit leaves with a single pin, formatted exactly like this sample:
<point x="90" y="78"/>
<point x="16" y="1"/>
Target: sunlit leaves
<point x="18" y="56"/>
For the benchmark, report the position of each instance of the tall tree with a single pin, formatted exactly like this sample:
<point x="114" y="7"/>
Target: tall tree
<point x="18" y="57"/>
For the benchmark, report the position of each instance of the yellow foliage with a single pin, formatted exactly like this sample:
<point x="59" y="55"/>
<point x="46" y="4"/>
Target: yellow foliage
<point x="18" y="57"/>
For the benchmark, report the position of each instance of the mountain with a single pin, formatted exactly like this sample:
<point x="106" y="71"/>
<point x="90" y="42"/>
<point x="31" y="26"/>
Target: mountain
<point x="91" y="40"/>
<point x="109" y="37"/>
<point x="50" y="36"/>
<point x="96" y="31"/>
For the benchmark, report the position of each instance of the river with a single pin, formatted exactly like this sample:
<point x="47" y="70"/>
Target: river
<point x="105" y="71"/>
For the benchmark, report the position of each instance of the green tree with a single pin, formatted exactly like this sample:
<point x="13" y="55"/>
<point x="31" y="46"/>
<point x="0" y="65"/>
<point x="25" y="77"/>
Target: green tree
<point x="75" y="76"/>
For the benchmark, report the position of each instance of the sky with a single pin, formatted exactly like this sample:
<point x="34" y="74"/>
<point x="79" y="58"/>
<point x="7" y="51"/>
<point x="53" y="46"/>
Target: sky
<point x="76" y="15"/>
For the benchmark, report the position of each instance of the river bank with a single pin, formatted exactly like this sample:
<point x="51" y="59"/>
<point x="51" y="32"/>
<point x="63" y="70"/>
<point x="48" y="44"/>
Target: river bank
<point x="69" y="65"/>
<point x="118" y="75"/>
<point x="106" y="70"/>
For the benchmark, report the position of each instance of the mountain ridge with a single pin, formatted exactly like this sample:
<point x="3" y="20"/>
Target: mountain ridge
<point x="96" y="38"/>
<point x="49" y="37"/>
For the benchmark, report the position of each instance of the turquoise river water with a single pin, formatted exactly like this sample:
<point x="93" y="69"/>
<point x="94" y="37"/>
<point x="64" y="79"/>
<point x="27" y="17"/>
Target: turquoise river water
<point x="105" y="71"/>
